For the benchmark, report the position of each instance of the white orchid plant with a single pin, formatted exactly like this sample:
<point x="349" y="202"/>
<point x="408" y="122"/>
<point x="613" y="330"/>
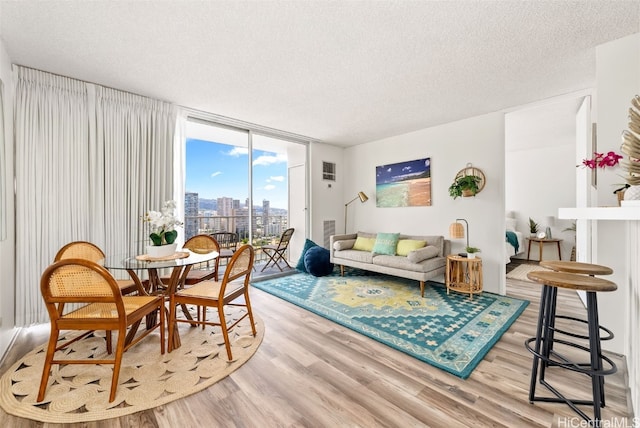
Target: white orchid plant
<point x="163" y="223"/>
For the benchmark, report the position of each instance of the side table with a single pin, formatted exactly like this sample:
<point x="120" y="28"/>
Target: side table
<point x="464" y="275"/>
<point x="541" y="242"/>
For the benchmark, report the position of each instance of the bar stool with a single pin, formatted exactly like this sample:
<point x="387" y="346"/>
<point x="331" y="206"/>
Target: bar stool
<point x="544" y="356"/>
<point x="576" y="267"/>
<point x="584" y="269"/>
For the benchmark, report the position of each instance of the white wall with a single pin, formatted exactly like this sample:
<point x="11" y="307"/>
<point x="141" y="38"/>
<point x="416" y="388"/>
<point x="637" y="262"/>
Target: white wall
<point x="618" y="81"/>
<point x="7" y="247"/>
<point x="478" y="140"/>
<point x="327" y="197"/>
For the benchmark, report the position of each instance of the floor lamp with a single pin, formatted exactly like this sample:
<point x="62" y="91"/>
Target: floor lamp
<point x="456" y="231"/>
<point x="362" y="197"/>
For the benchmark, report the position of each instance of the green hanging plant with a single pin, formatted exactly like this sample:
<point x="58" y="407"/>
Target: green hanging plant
<point x="466" y="185"/>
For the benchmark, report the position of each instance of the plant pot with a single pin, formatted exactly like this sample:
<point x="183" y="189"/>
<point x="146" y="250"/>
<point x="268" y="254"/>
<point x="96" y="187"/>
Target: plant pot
<point x="632" y="193"/>
<point x="158" y="251"/>
<point x="471" y="255"/>
<point x="467" y="193"/>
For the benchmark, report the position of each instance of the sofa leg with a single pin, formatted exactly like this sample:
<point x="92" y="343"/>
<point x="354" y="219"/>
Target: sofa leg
<point x="341" y="270"/>
<point x="422" y="288"/>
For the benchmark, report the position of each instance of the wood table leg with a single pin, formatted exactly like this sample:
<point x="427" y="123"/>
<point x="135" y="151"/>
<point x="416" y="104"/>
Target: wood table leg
<point x="559" y="253"/>
<point x="540" y="248"/>
<point x="529" y="250"/>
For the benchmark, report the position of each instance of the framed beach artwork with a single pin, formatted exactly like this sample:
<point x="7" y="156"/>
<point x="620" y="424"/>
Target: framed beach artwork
<point x="404" y="184"/>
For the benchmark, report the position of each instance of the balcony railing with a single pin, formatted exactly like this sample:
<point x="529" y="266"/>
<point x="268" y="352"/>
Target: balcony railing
<point x="264" y="229"/>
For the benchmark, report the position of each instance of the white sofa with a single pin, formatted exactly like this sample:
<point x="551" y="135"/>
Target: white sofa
<point x="421" y="264"/>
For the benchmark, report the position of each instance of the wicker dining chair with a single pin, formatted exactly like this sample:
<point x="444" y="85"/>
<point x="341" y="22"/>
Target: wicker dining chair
<point x="97" y="305"/>
<point x="88" y="251"/>
<point x="234" y="284"/>
<point x="200" y="244"/>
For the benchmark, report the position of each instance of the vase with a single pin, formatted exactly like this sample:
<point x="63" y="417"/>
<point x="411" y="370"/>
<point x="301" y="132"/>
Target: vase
<point x="632" y="193"/>
<point x="158" y="251"/>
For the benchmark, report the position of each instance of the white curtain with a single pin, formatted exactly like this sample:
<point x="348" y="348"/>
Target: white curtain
<point x="89" y="162"/>
<point x="136" y="134"/>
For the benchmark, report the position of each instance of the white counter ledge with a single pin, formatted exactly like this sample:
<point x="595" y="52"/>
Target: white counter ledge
<point x="600" y="213"/>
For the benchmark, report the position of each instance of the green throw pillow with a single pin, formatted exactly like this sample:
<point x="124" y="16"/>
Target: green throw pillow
<point x="407" y="245"/>
<point x="386" y="243"/>
<point x="364" y="244"/>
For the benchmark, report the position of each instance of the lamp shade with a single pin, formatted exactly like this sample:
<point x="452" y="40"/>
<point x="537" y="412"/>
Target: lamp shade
<point x="456" y="231"/>
<point x="363" y="197"/>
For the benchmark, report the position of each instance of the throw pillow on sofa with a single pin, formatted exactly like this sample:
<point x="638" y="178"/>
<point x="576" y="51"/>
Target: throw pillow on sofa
<point x="308" y="243"/>
<point x="364" y="244"/>
<point x="407" y="245"/>
<point x="386" y="243"/>
<point x="346" y="244"/>
<point x="428" y="252"/>
<point x="316" y="261"/>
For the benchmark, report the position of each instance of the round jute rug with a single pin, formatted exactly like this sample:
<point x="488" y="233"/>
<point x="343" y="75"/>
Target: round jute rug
<point x="80" y="393"/>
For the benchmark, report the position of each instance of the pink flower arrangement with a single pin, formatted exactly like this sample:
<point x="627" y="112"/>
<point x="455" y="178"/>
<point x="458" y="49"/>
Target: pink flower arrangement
<point x="600" y="160"/>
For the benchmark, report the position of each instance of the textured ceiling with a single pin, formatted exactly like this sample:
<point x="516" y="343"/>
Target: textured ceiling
<point x="345" y="72"/>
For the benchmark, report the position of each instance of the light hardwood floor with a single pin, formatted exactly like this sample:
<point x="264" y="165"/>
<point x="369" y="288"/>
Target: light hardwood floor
<point x="310" y="372"/>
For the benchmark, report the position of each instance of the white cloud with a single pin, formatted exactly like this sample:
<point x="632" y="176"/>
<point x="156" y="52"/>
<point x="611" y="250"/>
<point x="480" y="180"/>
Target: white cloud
<point x="266" y="160"/>
<point x="269" y="187"/>
<point x="215" y="174"/>
<point x="238" y="151"/>
<point x="279" y="178"/>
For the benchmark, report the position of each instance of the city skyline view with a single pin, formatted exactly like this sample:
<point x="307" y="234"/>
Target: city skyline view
<point x="215" y="170"/>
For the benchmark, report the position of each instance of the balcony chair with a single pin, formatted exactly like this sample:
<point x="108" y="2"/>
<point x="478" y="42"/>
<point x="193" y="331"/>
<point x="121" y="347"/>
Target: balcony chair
<point x="276" y="253"/>
<point x="234" y="284"/>
<point x="97" y="305"/>
<point x="228" y="242"/>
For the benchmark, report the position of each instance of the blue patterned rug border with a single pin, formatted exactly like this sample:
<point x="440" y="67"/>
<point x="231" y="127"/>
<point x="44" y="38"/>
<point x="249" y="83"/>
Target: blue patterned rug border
<point x="382" y="336"/>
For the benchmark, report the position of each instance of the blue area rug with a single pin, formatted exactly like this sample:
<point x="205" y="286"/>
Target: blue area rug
<point x="450" y="332"/>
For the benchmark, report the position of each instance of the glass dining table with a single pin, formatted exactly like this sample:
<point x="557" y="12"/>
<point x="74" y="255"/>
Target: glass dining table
<point x="180" y="263"/>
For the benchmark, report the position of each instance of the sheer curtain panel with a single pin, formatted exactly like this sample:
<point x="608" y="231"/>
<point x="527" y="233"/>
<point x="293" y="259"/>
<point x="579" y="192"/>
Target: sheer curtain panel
<point x="89" y="162"/>
<point x="136" y="134"/>
<point x="52" y="178"/>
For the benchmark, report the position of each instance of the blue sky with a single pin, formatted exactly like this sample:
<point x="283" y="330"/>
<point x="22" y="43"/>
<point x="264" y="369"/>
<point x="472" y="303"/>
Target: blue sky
<point x="219" y="170"/>
<point x="401" y="171"/>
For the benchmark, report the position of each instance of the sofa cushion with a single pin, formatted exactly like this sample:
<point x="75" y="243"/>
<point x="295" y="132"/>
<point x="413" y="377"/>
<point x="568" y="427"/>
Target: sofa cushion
<point x="364" y="244"/>
<point x="428" y="252"/>
<point x="403" y="263"/>
<point x="406" y="245"/>
<point x="345" y="244"/>
<point x="353" y="255"/>
<point x="316" y="261"/>
<point x="386" y="243"/>
<point x="366" y="235"/>
<point x="308" y="243"/>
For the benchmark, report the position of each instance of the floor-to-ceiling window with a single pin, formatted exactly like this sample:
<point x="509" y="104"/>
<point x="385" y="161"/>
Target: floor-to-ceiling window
<point x="240" y="180"/>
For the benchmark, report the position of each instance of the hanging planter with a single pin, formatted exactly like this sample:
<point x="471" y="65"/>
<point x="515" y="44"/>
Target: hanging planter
<point x="468" y="182"/>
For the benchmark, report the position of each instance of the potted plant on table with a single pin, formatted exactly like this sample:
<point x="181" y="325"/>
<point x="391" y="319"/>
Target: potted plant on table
<point x="466" y="185"/>
<point x="471" y="252"/>
<point x="163" y="233"/>
<point x="533" y="227"/>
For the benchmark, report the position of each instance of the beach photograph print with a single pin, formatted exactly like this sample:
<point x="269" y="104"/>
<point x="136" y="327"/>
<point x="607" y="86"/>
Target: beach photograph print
<point x="404" y="184"/>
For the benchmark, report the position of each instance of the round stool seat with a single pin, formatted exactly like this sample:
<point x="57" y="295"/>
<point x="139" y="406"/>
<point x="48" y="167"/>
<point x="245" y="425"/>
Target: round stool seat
<point x="576" y="267"/>
<point x="572" y="281"/>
